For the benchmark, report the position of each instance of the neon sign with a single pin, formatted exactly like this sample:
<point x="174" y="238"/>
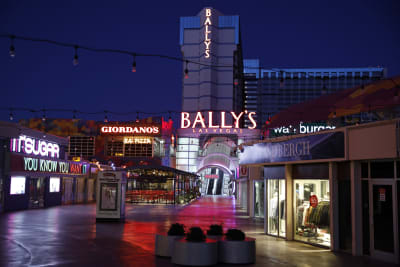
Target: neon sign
<point x="53" y="166"/>
<point x="152" y="130"/>
<point x="28" y="145"/>
<point x="199" y="120"/>
<point x="302" y="128"/>
<point x="133" y="140"/>
<point x="207" y="31"/>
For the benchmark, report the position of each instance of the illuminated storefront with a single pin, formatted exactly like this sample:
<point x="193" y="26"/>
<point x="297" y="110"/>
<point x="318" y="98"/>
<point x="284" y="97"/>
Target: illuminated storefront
<point x="337" y="189"/>
<point x="161" y="185"/>
<point x="38" y="170"/>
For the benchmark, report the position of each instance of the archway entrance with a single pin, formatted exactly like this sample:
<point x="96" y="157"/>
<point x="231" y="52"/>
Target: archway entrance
<point x="216" y="180"/>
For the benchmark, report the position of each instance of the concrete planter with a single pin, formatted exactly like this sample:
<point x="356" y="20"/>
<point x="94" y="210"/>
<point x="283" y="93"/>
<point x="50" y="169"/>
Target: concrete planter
<point x="215" y="237"/>
<point x="164" y="244"/>
<point x="237" y="252"/>
<point x="195" y="253"/>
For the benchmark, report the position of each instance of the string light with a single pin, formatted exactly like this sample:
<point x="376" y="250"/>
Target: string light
<point x="137" y="116"/>
<point x="12" y="48"/>
<point x="11" y="115"/>
<point x="75" y="61"/>
<point x="105" y="116"/>
<point x="186" y="70"/>
<point x="44" y="115"/>
<point x="134" y="63"/>
<point x="113" y="51"/>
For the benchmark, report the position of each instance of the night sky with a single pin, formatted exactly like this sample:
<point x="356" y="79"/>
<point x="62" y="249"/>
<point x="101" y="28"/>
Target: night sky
<point x="359" y="33"/>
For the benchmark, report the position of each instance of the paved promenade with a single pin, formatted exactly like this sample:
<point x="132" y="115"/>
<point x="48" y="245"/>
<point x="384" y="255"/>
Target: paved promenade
<point x="69" y="236"/>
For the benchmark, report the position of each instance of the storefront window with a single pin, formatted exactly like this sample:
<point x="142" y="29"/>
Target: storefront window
<point x="276" y="207"/>
<point x="312" y="211"/>
<point x="17" y="185"/>
<point x="259" y="199"/>
<point x="54" y="185"/>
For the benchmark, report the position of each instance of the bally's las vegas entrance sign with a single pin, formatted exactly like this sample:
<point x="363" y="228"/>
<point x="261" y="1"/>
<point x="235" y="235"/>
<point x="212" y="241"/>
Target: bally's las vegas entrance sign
<point x="202" y="125"/>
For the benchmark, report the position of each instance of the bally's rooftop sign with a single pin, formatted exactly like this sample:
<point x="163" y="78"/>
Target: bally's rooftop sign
<point x="131" y="129"/>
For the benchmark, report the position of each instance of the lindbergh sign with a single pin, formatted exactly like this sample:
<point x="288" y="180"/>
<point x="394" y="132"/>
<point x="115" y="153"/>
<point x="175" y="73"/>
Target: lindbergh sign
<point x="200" y="120"/>
<point x="121" y="130"/>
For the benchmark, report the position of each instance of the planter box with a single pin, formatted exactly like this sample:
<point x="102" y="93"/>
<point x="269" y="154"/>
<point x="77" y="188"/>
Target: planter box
<point x="216" y="237"/>
<point x="237" y="252"/>
<point x="195" y="253"/>
<point x="164" y="244"/>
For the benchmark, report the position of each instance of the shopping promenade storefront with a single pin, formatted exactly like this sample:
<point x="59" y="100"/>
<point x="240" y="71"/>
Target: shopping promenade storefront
<point x="338" y="189"/>
<point x="35" y="172"/>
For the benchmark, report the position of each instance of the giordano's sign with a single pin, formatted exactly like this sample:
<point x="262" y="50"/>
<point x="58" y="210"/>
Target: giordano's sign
<point x="131" y="129"/>
<point x="202" y="125"/>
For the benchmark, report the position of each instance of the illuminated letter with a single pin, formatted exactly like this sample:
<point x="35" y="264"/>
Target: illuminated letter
<point x="56" y="150"/>
<point x="207" y="54"/>
<point x="237" y="118"/>
<point x="184" y="119"/>
<point x="207" y="22"/>
<point x="28" y="145"/>
<point x="223" y="121"/>
<point x="155" y="130"/>
<point x="199" y="118"/>
<point x="252" y="120"/>
<point x="207" y="45"/>
<point x="208" y="12"/>
<point x="210" y="118"/>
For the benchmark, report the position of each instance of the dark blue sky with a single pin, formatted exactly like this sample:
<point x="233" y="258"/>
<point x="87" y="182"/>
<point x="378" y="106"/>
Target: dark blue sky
<point x="358" y="33"/>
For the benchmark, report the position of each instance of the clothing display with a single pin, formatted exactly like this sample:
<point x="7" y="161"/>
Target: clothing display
<point x="320" y="215"/>
<point x="312" y="224"/>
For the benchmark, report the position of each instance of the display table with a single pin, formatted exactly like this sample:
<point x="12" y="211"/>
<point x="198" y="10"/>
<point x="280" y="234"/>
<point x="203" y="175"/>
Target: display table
<point x="237" y="252"/>
<point x="164" y="244"/>
<point x="195" y="253"/>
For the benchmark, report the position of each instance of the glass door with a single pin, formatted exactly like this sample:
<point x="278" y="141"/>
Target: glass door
<point x="36" y="193"/>
<point x="383" y="220"/>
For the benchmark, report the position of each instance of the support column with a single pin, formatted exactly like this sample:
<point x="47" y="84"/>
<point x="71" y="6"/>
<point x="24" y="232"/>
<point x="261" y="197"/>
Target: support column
<point x="356" y="208"/>
<point x="334" y="206"/>
<point x="289" y="202"/>
<point x="254" y="174"/>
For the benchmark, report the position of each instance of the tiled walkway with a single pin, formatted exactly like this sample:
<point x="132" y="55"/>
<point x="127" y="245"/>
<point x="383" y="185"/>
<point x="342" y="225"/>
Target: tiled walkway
<point x="69" y="236"/>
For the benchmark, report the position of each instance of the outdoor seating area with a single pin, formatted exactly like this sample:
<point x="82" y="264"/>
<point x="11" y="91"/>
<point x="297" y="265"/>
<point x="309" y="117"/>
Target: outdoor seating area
<point x="150" y="196"/>
<point x="161" y="185"/>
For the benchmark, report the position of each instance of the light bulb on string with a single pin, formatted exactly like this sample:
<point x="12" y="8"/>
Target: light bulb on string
<point x="105" y="116"/>
<point x="75" y="61"/>
<point x="12" y="48"/>
<point x="186" y="70"/>
<point x="134" y="63"/>
<point x="11" y="115"/>
<point x="44" y="115"/>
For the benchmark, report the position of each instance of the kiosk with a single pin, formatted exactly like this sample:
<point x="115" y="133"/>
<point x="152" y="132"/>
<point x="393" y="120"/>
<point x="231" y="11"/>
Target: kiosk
<point x="110" y="191"/>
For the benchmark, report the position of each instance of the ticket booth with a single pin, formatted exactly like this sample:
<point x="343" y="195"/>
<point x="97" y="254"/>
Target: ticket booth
<point x="110" y="192"/>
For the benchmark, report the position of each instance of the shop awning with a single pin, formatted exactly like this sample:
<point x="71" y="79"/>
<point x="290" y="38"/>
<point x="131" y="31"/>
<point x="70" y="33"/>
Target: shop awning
<point x="382" y="94"/>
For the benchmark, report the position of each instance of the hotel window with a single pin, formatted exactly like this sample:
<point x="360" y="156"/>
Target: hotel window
<point x="139" y="150"/>
<point x="81" y="146"/>
<point x="114" y="148"/>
